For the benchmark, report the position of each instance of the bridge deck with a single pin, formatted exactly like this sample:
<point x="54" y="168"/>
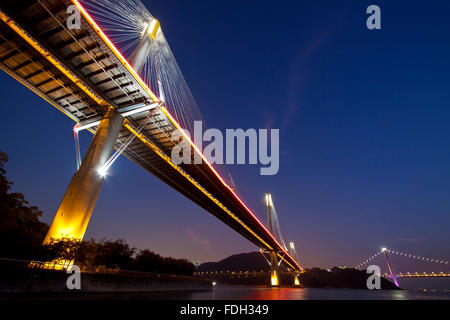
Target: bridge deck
<point x="80" y="74"/>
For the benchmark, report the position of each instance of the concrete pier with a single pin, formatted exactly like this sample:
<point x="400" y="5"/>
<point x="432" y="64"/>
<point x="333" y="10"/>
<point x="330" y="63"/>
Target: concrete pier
<point x="75" y="210"/>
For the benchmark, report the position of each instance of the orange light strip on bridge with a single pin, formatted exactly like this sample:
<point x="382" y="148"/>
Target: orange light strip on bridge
<point x="119" y="55"/>
<point x="162" y="154"/>
<point x="114" y="49"/>
<point x="175" y="123"/>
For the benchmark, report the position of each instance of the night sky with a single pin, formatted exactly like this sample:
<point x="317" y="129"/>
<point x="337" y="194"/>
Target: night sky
<point x="364" y="119"/>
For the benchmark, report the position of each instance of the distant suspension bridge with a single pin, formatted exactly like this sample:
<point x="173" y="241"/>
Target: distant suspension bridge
<point x="394" y="275"/>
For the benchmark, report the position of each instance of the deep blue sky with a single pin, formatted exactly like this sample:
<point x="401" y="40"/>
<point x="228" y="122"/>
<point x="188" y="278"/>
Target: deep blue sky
<point x="364" y="119"/>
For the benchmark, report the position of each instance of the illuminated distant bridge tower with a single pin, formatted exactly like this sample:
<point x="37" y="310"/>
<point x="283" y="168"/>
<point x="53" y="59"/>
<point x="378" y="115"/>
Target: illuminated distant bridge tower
<point x="391" y="270"/>
<point x="114" y="75"/>
<point x="273" y="225"/>
<point x="272" y="221"/>
<point x="293" y="254"/>
<point x="411" y="258"/>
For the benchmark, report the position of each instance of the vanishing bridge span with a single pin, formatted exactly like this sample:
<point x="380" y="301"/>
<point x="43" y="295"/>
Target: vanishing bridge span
<point x="131" y="102"/>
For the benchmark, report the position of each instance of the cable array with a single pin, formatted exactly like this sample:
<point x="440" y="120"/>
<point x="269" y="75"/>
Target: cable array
<point x="368" y="260"/>
<point x="408" y="255"/>
<point x="273" y="222"/>
<point x="126" y="23"/>
<point x="403" y="254"/>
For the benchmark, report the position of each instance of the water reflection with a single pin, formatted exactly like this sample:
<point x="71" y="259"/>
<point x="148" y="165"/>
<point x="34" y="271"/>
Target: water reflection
<point x="263" y="293"/>
<point x="244" y="293"/>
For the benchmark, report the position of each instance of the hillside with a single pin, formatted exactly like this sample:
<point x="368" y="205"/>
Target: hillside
<point x="253" y="261"/>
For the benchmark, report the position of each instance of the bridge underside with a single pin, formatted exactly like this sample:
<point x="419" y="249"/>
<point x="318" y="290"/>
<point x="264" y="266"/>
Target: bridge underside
<point x="79" y="74"/>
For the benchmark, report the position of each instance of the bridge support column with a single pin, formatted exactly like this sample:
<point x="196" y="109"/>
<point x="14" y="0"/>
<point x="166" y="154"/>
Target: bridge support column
<point x="75" y="210"/>
<point x="274" y="270"/>
<point x="296" y="281"/>
<point x="139" y="56"/>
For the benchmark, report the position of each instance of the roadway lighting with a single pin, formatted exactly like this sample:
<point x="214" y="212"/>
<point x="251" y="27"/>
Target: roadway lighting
<point x="383" y="249"/>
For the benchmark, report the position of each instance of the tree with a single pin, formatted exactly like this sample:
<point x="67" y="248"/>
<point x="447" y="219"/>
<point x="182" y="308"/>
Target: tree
<point x="21" y="232"/>
<point x="87" y="252"/>
<point x="114" y="254"/>
<point x="149" y="261"/>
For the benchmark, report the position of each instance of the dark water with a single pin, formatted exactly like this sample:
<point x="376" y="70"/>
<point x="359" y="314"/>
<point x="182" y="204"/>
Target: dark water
<point x="246" y="293"/>
<point x="263" y="293"/>
<point x="441" y="284"/>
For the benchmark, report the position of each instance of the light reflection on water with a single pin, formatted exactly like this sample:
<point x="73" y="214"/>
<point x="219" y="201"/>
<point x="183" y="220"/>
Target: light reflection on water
<point x="425" y="283"/>
<point x="263" y="293"/>
<point x="243" y="293"/>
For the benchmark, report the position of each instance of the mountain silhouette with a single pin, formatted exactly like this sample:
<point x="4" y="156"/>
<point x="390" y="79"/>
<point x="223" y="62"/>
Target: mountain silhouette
<point x="252" y="261"/>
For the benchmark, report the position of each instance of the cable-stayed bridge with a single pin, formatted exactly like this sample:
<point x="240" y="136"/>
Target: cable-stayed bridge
<point x="114" y="75"/>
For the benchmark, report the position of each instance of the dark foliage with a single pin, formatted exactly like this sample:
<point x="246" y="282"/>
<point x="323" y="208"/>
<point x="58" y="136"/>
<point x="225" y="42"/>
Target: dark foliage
<point x="21" y="232"/>
<point x="115" y="255"/>
<point x="64" y="249"/>
<point x="147" y="260"/>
